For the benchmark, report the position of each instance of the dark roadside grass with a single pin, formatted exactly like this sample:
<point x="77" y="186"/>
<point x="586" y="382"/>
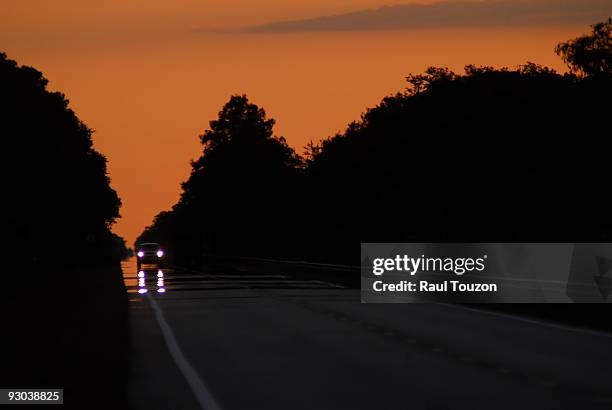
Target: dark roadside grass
<point x="67" y="329"/>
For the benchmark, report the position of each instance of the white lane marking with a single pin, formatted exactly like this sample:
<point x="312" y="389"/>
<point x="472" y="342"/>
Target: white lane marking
<point x="532" y="321"/>
<point x="199" y="389"/>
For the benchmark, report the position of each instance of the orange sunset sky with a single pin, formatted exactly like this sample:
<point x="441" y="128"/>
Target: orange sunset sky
<point x="147" y="76"/>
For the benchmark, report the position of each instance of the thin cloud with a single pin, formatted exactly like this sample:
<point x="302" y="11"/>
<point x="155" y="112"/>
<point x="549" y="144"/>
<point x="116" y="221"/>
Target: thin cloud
<point x="459" y="13"/>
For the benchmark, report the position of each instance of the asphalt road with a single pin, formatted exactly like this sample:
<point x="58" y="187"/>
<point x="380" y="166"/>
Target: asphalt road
<point x="231" y="340"/>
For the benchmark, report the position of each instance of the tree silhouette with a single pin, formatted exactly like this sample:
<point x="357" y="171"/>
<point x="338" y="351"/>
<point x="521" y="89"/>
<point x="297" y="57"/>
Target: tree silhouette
<point x="488" y="155"/>
<point x="240" y="192"/>
<point x="590" y="54"/>
<point x="57" y="202"/>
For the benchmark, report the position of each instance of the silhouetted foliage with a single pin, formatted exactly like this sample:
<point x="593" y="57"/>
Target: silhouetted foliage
<point x="488" y="155"/>
<point x="120" y="251"/>
<point x="241" y="192"/>
<point x="590" y="54"/>
<point x="57" y="203"/>
<point x="491" y="155"/>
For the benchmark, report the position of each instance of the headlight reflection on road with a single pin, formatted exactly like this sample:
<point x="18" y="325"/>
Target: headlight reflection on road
<point x="142" y="285"/>
<point x="160" y="282"/>
<point x="142" y="281"/>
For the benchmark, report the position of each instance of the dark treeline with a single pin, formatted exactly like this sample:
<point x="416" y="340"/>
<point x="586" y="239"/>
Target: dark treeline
<point x="57" y="205"/>
<point x="488" y="155"/>
<point x="243" y="192"/>
<point x="64" y="309"/>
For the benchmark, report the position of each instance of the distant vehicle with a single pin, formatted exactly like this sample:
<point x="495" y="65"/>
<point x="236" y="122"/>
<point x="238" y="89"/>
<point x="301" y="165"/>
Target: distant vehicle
<point x="149" y="254"/>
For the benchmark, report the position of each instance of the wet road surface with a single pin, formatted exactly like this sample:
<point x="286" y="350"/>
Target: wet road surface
<point x="231" y="340"/>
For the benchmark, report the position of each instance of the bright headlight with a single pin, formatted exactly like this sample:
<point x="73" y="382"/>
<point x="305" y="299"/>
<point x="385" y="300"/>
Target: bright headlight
<point x="140" y="254"/>
<point x="160" y="253"/>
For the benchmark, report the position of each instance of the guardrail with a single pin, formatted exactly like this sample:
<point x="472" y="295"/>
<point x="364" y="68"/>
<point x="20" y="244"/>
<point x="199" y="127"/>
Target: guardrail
<point x="292" y="262"/>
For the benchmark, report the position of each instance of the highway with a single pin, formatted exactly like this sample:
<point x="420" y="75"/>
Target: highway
<point x="235" y="340"/>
